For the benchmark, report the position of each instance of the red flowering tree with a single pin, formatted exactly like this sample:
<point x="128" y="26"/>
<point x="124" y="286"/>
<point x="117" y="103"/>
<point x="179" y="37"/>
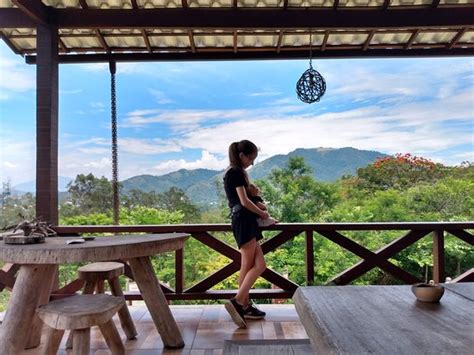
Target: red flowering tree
<point x="399" y="171"/>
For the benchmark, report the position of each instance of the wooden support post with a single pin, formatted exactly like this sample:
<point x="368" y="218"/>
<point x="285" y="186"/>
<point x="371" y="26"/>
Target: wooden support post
<point x="309" y="258"/>
<point x="47" y="124"/>
<point x="438" y="256"/>
<point x="179" y="266"/>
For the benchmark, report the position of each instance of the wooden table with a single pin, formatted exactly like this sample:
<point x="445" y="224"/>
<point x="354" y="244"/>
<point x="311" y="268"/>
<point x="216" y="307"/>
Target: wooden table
<point x="386" y="320"/>
<point x="40" y="261"/>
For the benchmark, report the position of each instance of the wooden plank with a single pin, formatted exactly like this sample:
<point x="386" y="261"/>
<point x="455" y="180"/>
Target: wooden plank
<point x="215" y="278"/>
<point x="383" y="320"/>
<point x="385" y="252"/>
<point x="464" y="289"/>
<point x="55" y="250"/>
<point x="217" y="294"/>
<point x="438" y="256"/>
<point x="47" y="106"/>
<point x="463" y="235"/>
<point x="366" y="254"/>
<point x="299" y="227"/>
<point x="309" y="257"/>
<point x="201" y="18"/>
<point x="179" y="270"/>
<point x="155" y="300"/>
<point x="36" y="10"/>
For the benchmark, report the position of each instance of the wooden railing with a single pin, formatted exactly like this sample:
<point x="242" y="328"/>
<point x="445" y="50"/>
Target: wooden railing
<point x="411" y="233"/>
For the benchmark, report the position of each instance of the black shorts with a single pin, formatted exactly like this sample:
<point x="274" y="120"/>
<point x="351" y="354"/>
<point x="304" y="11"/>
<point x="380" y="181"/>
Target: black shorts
<point x="245" y="227"/>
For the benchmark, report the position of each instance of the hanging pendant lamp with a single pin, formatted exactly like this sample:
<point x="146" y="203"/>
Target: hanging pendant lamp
<point x="311" y="86"/>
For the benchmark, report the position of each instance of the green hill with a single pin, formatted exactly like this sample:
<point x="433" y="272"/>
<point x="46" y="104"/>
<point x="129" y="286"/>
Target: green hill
<point x="328" y="164"/>
<point x="201" y="185"/>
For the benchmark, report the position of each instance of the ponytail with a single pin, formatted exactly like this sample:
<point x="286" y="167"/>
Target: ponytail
<point x="234" y="158"/>
<point x="245" y="147"/>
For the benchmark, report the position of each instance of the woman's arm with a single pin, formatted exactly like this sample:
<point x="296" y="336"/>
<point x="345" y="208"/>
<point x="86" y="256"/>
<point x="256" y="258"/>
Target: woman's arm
<point x="261" y="205"/>
<point x="245" y="202"/>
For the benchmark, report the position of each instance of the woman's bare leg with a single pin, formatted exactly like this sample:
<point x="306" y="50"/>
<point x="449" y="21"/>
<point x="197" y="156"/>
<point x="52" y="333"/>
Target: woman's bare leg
<point x="252" y="255"/>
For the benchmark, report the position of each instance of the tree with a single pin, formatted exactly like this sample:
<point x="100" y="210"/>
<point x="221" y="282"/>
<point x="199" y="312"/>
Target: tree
<point x="175" y="199"/>
<point x="399" y="172"/>
<point x="89" y="194"/>
<point x="293" y="195"/>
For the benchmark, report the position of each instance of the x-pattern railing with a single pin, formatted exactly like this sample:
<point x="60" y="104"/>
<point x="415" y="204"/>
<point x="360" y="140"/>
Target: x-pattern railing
<point x="285" y="233"/>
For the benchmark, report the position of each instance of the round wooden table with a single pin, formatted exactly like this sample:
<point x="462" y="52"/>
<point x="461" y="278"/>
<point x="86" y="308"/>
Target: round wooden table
<point x="39" y="263"/>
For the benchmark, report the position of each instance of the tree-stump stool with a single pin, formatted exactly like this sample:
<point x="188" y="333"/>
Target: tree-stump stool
<point x="79" y="313"/>
<point x="94" y="275"/>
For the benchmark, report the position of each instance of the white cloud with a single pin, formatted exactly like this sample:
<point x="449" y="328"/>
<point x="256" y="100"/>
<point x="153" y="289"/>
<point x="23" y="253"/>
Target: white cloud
<point x="160" y="97"/>
<point x="147" y="147"/>
<point x="17" y="159"/>
<point x="70" y="92"/>
<point x="207" y="161"/>
<point x="16" y="77"/>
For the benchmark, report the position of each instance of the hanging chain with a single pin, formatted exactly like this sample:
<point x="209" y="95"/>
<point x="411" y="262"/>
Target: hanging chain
<point x="310" y="50"/>
<point x="113" y="105"/>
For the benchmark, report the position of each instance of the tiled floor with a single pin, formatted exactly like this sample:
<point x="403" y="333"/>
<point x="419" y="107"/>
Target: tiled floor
<point x="204" y="329"/>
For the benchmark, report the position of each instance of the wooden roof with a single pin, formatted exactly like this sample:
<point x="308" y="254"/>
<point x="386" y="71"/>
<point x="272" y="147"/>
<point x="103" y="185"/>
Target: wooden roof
<point x="104" y="30"/>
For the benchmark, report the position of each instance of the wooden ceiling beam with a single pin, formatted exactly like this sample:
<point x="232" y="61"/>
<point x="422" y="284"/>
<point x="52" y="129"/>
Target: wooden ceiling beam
<point x="230" y="18"/>
<point x="234" y="38"/>
<point x="270" y="55"/>
<point x="386" y="4"/>
<point x="147" y="41"/>
<point x="191" y="41"/>
<point x="9" y="43"/>
<point x="435" y="3"/>
<point x="335" y="5"/>
<point x="83" y="4"/>
<point x="184" y="4"/>
<point x="325" y="41"/>
<point x="134" y="4"/>
<point x="102" y="41"/>
<point x="369" y="38"/>
<point x="35" y="10"/>
<point x="412" y="39"/>
<point x="63" y="46"/>
<point x="457" y="38"/>
<point x="280" y="40"/>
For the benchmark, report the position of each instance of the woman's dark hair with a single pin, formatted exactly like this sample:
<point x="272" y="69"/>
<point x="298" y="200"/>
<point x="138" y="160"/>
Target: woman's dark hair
<point x="245" y="147"/>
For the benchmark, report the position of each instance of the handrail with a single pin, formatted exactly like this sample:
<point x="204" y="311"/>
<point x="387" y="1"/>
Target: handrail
<point x="285" y="232"/>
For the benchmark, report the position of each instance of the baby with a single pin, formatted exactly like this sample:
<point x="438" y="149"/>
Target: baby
<point x="254" y="196"/>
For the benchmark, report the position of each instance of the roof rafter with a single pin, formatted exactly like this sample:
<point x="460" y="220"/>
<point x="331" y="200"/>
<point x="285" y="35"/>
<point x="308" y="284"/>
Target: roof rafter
<point x="191" y="41"/>
<point x="457" y="38"/>
<point x="102" y="41"/>
<point x="35" y="10"/>
<point x="230" y="18"/>
<point x="9" y="43"/>
<point x="147" y="40"/>
<point x="369" y="38"/>
<point x="412" y="38"/>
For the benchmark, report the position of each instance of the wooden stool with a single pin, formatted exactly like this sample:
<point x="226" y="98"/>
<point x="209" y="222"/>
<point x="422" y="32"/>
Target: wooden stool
<point x="94" y="275"/>
<point x="79" y="313"/>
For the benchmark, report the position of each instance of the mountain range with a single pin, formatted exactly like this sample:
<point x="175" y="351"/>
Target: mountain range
<point x="202" y="185"/>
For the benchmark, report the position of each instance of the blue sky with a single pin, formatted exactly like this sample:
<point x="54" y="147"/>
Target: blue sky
<point x="184" y="115"/>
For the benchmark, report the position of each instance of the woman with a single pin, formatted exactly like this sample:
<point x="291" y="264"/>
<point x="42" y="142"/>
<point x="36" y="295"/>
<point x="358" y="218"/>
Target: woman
<point x="245" y="228"/>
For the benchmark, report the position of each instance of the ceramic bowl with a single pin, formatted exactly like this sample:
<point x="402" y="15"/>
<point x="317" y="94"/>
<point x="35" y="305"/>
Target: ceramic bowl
<point x="427" y="292"/>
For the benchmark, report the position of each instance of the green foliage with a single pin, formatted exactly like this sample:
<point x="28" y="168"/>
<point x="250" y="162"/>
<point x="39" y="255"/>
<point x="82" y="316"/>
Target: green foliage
<point x="294" y="195"/>
<point x="394" y="189"/>
<point x="91" y="195"/>
<point x="88" y="194"/>
<point x="399" y="172"/>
